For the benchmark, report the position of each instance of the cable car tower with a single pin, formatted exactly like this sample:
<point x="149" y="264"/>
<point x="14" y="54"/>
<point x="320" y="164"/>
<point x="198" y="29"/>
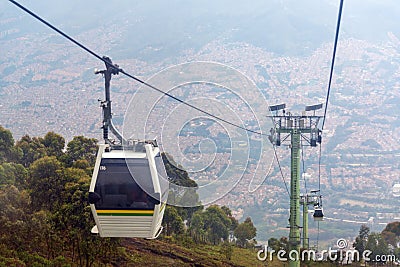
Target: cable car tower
<point x="293" y="129"/>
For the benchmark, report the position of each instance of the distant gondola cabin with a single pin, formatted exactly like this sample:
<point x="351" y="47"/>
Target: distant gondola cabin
<point x="318" y="214"/>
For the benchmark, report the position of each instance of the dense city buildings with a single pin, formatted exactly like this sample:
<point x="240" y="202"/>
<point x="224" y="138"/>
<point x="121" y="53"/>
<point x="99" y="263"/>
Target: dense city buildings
<point x="47" y="84"/>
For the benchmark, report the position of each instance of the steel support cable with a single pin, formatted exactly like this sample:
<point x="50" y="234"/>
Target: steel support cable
<point x="333" y="61"/>
<point x="129" y="75"/>
<point x="280" y="170"/>
<point x="327" y="97"/>
<point x="318" y="236"/>
<point x="190" y="105"/>
<point x="57" y="30"/>
<point x="302" y="159"/>
<point x="339" y="18"/>
<point x="319" y="168"/>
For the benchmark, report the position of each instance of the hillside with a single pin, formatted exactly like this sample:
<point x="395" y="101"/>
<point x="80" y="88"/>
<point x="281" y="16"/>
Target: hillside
<point x="160" y="253"/>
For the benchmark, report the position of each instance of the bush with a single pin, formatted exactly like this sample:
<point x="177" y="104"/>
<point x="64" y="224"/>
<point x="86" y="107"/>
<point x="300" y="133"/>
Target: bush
<point x="11" y="262"/>
<point x="227" y="250"/>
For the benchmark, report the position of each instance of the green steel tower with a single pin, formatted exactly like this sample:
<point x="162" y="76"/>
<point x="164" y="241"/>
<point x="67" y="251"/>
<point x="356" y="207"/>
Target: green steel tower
<point x="305" y="203"/>
<point x="295" y="128"/>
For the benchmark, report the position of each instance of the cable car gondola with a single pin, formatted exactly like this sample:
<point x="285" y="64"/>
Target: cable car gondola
<point x="129" y="187"/>
<point x="127" y="193"/>
<point x="318" y="214"/>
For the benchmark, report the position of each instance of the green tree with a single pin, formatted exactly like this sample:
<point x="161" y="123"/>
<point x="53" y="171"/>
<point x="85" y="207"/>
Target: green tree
<point x="197" y="229"/>
<point x="275" y="244"/>
<point x="14" y="218"/>
<point x="80" y="148"/>
<point x="186" y="201"/>
<point x="216" y="224"/>
<point x="172" y="221"/>
<point x="216" y="230"/>
<point x="361" y="240"/>
<point x="73" y="221"/>
<point x="54" y="144"/>
<point x="234" y="222"/>
<point x="13" y="174"/>
<point x="396" y="252"/>
<point x="46" y="219"/>
<point x="6" y="141"/>
<point x="45" y="238"/>
<point x="176" y="174"/>
<point x="211" y="225"/>
<point x="244" y="232"/>
<point x="227" y="250"/>
<point x="45" y="183"/>
<point x="391" y="233"/>
<point x="284" y="243"/>
<point x="31" y="149"/>
<point x="33" y="247"/>
<point x="82" y="164"/>
<point x="6" y="145"/>
<point x="377" y="245"/>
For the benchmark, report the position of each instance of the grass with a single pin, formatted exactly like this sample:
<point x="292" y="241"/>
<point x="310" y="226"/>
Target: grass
<point x="160" y="253"/>
<point x="141" y="252"/>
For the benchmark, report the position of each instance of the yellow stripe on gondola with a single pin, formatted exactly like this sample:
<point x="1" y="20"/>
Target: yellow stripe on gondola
<point x="125" y="212"/>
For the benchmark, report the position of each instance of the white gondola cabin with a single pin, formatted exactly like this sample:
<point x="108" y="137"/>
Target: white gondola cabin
<point x="128" y="191"/>
<point x="318" y="214"/>
<point x="316" y="199"/>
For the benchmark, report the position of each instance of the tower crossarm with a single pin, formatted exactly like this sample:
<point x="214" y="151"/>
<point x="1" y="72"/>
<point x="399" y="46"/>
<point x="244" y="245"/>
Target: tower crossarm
<point x="303" y="124"/>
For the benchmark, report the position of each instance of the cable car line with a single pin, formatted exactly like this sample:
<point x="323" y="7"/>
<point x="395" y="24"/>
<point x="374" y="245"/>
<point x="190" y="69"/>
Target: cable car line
<point x="333" y="61"/>
<point x="319" y="168"/>
<point x="329" y="86"/>
<point x="131" y="76"/>
<point x="280" y="170"/>
<point x="57" y="30"/>
<point x="327" y="102"/>
<point x="303" y="165"/>
<point x="318" y="236"/>
<point x="190" y="105"/>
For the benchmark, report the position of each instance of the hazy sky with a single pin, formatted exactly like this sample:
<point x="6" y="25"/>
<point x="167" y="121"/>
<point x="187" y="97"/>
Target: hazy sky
<point x="274" y="25"/>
